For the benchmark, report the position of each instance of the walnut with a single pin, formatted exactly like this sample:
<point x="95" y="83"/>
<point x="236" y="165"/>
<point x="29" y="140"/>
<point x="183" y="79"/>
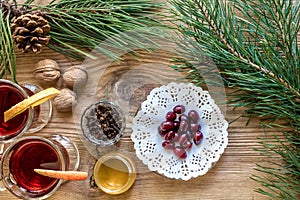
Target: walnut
<point x="75" y="75"/>
<point x="47" y="72"/>
<point x="65" y="101"/>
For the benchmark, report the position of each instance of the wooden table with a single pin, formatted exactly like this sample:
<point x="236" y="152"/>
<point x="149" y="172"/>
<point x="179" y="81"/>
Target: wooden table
<point x="228" y="179"/>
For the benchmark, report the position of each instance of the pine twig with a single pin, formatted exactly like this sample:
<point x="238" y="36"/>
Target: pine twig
<point x="80" y="26"/>
<point x="239" y="56"/>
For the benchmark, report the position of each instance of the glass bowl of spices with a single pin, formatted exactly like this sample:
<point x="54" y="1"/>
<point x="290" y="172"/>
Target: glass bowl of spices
<point x="103" y="123"/>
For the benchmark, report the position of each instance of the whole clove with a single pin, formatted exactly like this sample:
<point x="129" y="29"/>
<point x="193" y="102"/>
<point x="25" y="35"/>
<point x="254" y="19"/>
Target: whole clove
<point x="109" y="120"/>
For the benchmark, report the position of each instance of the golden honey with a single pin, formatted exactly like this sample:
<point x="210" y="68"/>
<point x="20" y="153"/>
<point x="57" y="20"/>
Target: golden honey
<point x="114" y="173"/>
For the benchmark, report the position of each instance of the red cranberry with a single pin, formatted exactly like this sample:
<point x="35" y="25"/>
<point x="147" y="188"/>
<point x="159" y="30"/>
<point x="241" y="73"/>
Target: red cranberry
<point x="176" y="137"/>
<point x="198" y="136"/>
<point x="162" y="131"/>
<point x="183" y="139"/>
<point x="167" y="125"/>
<point x="179" y="109"/>
<point x="183" y="117"/>
<point x="170" y="116"/>
<point x="183" y="132"/>
<point x="168" y="144"/>
<point x="180" y="152"/>
<point x="188" y="145"/>
<point x="183" y="126"/>
<point x="190" y="134"/>
<point x="170" y="135"/>
<point x="194" y="127"/>
<point x="193" y="116"/>
<point x="176" y="125"/>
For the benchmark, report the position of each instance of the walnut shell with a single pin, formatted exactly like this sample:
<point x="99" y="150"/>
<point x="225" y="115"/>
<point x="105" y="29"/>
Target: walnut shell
<point x="47" y="72"/>
<point x="65" y="101"/>
<point x="75" y="75"/>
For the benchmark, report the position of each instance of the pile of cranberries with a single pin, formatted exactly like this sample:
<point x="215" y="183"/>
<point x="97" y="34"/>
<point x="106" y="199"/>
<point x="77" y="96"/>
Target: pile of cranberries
<point x="180" y="130"/>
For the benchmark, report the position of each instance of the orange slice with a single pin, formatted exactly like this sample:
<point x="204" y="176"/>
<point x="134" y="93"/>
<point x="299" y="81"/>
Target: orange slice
<point x="32" y="101"/>
<point x="65" y="175"/>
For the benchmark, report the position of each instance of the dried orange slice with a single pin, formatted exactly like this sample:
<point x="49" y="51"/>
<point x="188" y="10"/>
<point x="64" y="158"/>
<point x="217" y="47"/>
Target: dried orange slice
<point x="32" y="101"/>
<point x="65" y="175"/>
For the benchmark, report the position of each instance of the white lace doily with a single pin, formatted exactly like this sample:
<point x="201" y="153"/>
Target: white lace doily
<point x="147" y="141"/>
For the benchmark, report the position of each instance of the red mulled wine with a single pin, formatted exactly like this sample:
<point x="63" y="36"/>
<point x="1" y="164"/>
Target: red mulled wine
<point x="30" y="154"/>
<point x="9" y="96"/>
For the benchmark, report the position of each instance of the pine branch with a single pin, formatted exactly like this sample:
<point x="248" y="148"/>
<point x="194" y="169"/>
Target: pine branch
<point x="77" y="27"/>
<point x="255" y="46"/>
<point x="7" y="50"/>
<point x="220" y="33"/>
<point x="274" y="175"/>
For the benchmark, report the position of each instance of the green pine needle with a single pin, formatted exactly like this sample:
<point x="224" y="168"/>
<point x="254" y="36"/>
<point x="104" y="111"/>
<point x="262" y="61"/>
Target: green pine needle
<point x="7" y="50"/>
<point x="255" y="46"/>
<point x="280" y="176"/>
<point x="80" y="26"/>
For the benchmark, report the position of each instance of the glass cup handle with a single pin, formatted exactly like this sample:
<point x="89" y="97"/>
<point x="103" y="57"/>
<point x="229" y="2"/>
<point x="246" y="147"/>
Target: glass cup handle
<point x="42" y="113"/>
<point x="2" y="187"/>
<point x="2" y="145"/>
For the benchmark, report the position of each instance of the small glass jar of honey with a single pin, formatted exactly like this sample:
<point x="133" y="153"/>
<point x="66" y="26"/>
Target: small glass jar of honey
<point x="114" y="173"/>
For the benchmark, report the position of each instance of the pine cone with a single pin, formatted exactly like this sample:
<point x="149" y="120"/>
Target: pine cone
<point x="30" y="32"/>
<point x="11" y="8"/>
<point x="5" y="7"/>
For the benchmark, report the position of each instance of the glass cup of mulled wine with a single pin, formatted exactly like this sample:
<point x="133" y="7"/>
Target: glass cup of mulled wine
<point x="33" y="152"/>
<point x="32" y="120"/>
